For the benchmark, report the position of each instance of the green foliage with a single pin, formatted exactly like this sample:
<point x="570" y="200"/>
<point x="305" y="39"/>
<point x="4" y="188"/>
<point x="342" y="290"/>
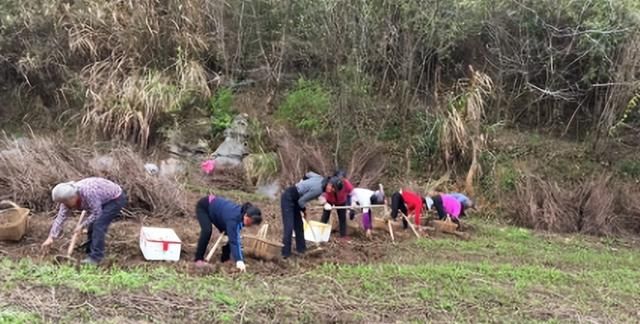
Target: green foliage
<point x="306" y="106"/>
<point x="428" y="146"/>
<point x="630" y="168"/>
<point x="508" y="177"/>
<point x="17" y="317"/>
<point x="221" y="109"/>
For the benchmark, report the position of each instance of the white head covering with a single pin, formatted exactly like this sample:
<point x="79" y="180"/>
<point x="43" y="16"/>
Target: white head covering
<point x="64" y="191"/>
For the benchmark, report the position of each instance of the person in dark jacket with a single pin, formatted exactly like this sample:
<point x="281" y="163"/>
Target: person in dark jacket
<point x="293" y="203"/>
<point x="229" y="218"/>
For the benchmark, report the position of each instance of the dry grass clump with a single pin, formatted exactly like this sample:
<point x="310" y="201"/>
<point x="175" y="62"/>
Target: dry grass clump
<point x="367" y="165"/>
<point x="30" y="168"/>
<point x="298" y="157"/>
<point x="595" y="207"/>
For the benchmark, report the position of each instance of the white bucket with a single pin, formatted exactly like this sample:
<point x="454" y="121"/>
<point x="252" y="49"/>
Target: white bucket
<point x="321" y="231"/>
<point x="160" y="244"/>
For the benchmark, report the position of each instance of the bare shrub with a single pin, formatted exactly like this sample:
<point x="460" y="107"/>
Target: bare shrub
<point x="595" y="207"/>
<point x="367" y="165"/>
<point x="298" y="157"/>
<point x="30" y="168"/>
<point x="544" y="206"/>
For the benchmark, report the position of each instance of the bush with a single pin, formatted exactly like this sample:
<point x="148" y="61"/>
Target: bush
<point x="221" y="111"/>
<point x="630" y="168"/>
<point x="306" y="106"/>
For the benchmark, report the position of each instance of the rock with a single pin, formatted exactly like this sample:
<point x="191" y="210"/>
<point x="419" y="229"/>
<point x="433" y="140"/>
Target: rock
<point x="234" y="148"/>
<point x="152" y="168"/>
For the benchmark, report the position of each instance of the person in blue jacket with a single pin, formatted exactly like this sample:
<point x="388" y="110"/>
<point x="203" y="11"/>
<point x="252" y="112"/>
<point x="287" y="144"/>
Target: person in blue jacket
<point x="229" y="218"/>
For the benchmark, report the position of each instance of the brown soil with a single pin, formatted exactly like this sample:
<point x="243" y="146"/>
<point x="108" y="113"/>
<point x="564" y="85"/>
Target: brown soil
<point x="123" y="244"/>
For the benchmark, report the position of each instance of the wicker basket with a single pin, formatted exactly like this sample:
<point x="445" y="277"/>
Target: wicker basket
<point x="260" y="247"/>
<point x="446" y="226"/>
<point x="13" y="222"/>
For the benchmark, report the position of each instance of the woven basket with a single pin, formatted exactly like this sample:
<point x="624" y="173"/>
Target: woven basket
<point x="13" y="222"/>
<point x="446" y="226"/>
<point x="260" y="247"/>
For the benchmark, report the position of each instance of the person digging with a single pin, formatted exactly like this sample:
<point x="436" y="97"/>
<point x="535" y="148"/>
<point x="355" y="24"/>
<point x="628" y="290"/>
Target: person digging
<point x="229" y="218"/>
<point x="338" y="198"/>
<point x="293" y="203"/>
<point x="101" y="199"/>
<point x="406" y="201"/>
<point x="446" y="206"/>
<point x="364" y="198"/>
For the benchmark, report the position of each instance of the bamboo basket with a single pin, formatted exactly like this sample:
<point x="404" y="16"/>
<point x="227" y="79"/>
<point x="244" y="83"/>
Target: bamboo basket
<point x="260" y="247"/>
<point x="13" y="222"/>
<point x="446" y="226"/>
<point x="355" y="226"/>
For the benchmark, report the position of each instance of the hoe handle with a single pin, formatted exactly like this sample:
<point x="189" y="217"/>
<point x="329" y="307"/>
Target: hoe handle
<point x="74" y="237"/>
<point x="215" y="247"/>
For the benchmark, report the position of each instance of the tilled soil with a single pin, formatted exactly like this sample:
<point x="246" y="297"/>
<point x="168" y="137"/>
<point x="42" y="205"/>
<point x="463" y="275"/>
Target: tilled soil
<point x="123" y="244"/>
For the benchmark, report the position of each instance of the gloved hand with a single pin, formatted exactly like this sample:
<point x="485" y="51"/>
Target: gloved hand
<point x="328" y="206"/>
<point x="240" y="266"/>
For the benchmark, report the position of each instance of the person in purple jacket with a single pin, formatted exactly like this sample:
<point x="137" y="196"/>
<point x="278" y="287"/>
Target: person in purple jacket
<point x="100" y="197"/>
<point x="446" y="205"/>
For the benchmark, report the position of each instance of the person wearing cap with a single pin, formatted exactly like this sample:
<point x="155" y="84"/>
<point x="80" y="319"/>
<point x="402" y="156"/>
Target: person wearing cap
<point x="446" y="205"/>
<point x="293" y="203"/>
<point x="229" y="218"/>
<point x="364" y="198"/>
<point x="407" y="201"/>
<point x="466" y="202"/>
<point x="338" y="198"/>
<point x="101" y="198"/>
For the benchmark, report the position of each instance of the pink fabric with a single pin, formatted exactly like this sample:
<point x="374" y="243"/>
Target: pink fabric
<point x="208" y="166"/>
<point x="451" y="206"/>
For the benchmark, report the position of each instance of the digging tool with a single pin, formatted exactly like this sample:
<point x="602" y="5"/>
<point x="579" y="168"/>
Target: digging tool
<point x="72" y="245"/>
<point x="410" y="225"/>
<point x="215" y="247"/>
<point x="349" y="207"/>
<point x="393" y="240"/>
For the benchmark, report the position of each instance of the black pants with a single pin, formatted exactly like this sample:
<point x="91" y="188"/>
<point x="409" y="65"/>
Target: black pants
<point x="202" y="213"/>
<point x="291" y="221"/>
<point x="342" y="219"/>
<point x="97" y="231"/>
<point x="442" y="214"/>
<point x="397" y="204"/>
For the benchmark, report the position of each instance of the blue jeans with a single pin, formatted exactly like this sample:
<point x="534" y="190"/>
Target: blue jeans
<point x="97" y="231"/>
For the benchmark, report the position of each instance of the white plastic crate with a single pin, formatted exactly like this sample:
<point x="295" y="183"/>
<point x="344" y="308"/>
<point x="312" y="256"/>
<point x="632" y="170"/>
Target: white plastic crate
<point x="160" y="244"/>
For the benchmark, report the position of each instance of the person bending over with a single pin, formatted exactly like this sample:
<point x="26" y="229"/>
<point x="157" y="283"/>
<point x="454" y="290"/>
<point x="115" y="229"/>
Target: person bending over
<point x="103" y="200"/>
<point x="407" y="201"/>
<point x="229" y="218"/>
<point x="293" y="203"/>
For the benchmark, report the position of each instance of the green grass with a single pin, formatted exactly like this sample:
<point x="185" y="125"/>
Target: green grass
<point x="17" y="317"/>
<point x="503" y="274"/>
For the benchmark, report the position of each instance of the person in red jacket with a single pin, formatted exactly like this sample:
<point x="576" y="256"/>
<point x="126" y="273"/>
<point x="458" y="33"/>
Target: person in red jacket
<point x="338" y="198"/>
<point x="407" y="201"/>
